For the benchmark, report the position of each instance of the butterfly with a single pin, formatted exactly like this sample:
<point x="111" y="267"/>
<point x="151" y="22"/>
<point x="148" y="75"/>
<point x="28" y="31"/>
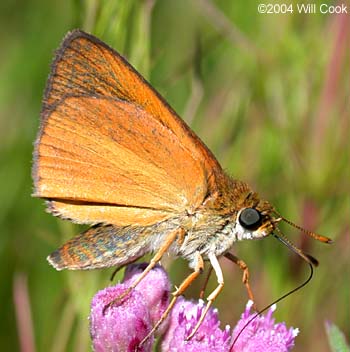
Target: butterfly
<point x="113" y="154"/>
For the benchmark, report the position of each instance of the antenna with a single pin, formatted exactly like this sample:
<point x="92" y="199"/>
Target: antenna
<point x="309" y="233"/>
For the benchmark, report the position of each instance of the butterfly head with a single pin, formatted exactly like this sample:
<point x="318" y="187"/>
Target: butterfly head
<point x="257" y="219"/>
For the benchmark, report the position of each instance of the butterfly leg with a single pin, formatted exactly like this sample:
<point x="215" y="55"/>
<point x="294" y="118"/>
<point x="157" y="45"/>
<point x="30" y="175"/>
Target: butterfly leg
<point x="245" y="279"/>
<point x="178" y="233"/>
<point x="211" y="298"/>
<point x="179" y="291"/>
<point x="201" y="294"/>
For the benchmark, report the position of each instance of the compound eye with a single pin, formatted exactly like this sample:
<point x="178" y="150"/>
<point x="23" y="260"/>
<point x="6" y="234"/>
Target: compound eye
<point x="250" y="219"/>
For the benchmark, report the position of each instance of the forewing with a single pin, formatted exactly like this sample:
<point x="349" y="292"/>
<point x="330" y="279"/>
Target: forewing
<point x="109" y="148"/>
<point x="84" y="65"/>
<point x="112" y="153"/>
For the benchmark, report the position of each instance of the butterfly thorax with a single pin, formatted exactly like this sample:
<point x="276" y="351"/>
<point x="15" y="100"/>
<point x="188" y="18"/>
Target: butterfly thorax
<point x="215" y="226"/>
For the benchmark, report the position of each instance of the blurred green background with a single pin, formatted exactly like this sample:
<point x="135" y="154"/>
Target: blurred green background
<point x="269" y="94"/>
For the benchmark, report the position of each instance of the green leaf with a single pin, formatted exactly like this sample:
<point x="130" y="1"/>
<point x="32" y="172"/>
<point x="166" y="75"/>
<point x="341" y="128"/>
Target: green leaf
<point x="336" y="338"/>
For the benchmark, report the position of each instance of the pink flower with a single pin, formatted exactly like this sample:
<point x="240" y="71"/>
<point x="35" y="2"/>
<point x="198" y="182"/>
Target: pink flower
<point x="262" y="334"/>
<point x="154" y="288"/>
<point x="121" y="327"/>
<point x="184" y="318"/>
<point x="124" y="325"/>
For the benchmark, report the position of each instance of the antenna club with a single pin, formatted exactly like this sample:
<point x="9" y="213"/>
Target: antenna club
<point x="314" y="235"/>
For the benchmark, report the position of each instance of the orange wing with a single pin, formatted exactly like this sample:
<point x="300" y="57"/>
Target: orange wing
<point x="109" y="148"/>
